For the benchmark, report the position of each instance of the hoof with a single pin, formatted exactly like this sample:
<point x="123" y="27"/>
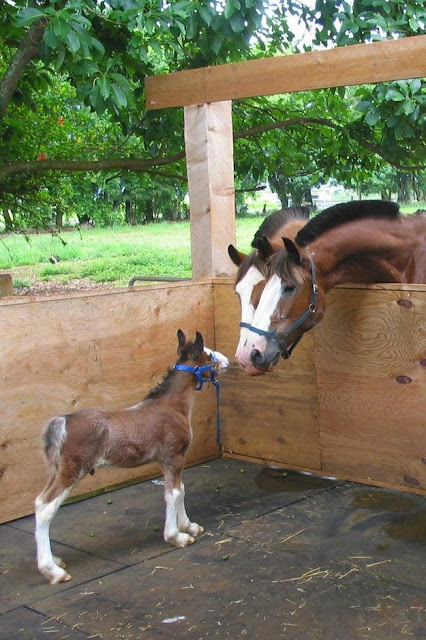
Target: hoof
<point x="193" y="529"/>
<point x="60" y="562"/>
<point x="181" y="540"/>
<point x="63" y="577"/>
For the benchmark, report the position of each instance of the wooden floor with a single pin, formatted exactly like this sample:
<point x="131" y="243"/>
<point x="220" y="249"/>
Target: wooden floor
<point x="282" y="556"/>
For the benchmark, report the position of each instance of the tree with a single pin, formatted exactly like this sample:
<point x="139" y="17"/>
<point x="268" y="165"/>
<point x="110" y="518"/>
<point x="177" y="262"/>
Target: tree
<point x="99" y="53"/>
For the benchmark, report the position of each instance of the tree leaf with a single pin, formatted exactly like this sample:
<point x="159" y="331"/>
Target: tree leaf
<point x="205" y="14"/>
<point x="237" y="23"/>
<point x="119" y="96"/>
<point x="27" y="16"/>
<point x="104" y="87"/>
<point x="73" y="41"/>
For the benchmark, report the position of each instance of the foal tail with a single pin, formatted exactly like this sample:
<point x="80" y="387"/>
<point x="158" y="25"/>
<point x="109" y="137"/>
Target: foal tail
<point x="54" y="437"/>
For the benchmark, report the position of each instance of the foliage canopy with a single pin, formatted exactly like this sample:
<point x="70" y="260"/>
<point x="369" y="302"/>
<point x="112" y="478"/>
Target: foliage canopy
<point x="72" y="102"/>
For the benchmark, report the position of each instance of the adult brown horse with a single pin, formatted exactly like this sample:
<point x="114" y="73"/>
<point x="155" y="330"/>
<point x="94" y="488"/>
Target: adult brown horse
<point x="366" y="241"/>
<point x="253" y="268"/>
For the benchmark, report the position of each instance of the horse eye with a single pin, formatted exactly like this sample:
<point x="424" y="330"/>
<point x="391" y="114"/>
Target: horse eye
<point x="287" y="288"/>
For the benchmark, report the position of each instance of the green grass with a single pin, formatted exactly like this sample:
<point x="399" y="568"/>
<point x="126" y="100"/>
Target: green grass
<point x="107" y="255"/>
<point x="113" y="255"/>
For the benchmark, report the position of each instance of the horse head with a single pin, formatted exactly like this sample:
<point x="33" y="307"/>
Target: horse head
<point x="292" y="302"/>
<point x="254" y="268"/>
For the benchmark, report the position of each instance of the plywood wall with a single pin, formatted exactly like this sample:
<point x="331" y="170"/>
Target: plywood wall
<point x="370" y="354"/>
<point x="351" y="401"/>
<point x="272" y="417"/>
<point x="104" y="350"/>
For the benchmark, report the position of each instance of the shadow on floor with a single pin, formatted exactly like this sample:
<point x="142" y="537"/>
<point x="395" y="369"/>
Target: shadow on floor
<point x="283" y="555"/>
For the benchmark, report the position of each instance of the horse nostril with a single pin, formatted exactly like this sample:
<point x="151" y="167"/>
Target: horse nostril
<point x="256" y="356"/>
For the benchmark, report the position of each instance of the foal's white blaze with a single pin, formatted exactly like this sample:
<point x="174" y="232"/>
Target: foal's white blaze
<point x="245" y="289"/>
<point x="261" y="320"/>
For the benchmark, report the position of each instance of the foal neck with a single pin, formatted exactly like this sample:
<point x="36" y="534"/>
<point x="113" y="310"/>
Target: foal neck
<point x="175" y="383"/>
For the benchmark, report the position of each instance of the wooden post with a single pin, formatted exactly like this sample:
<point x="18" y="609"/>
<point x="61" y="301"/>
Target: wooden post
<point x="210" y="165"/>
<point x="6" y="288"/>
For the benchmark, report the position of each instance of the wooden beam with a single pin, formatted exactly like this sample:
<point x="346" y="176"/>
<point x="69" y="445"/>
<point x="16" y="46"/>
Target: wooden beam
<point x="210" y="166"/>
<point x="356" y="64"/>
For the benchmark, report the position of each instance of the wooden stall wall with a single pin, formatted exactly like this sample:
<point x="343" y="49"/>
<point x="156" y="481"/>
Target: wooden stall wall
<point x="351" y="401"/>
<point x="271" y="418"/>
<point x="370" y="358"/>
<point x="103" y="350"/>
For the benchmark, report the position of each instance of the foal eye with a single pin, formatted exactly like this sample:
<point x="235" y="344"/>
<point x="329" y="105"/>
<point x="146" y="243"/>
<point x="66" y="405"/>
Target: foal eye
<point x="287" y="288"/>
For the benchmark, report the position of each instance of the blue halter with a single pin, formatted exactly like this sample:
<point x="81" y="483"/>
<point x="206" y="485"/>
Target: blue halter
<point x="198" y="371"/>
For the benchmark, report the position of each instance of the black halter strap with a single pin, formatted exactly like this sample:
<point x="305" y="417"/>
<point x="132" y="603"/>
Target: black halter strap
<point x="282" y="337"/>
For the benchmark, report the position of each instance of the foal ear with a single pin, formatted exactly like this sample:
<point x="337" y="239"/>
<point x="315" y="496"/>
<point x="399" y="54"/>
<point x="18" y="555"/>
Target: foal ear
<point x="292" y="250"/>
<point x="181" y="339"/>
<point x="236" y="256"/>
<point x="198" y="343"/>
<point x="263" y="247"/>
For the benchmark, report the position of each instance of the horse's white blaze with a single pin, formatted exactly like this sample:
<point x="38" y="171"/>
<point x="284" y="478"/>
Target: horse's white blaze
<point x="261" y="319"/>
<point x="244" y="288"/>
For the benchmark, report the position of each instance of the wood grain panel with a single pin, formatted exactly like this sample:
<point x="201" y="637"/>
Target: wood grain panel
<point x="103" y="350"/>
<point x="271" y="417"/>
<point x="371" y="370"/>
<point x="356" y="64"/>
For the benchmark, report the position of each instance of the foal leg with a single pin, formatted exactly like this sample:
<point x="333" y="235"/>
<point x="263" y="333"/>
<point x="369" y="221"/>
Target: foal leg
<point x="46" y="505"/>
<point x="173" y="495"/>
<point x="184" y="523"/>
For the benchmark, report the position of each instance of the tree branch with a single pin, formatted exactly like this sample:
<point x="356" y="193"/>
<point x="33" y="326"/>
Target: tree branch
<point x="149" y="166"/>
<point x="131" y="164"/>
<point x="28" y="49"/>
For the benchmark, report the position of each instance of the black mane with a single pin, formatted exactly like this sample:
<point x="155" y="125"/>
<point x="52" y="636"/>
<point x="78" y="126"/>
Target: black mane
<point x="272" y="223"/>
<point x="164" y="385"/>
<point x="346" y="212"/>
<point x="161" y="387"/>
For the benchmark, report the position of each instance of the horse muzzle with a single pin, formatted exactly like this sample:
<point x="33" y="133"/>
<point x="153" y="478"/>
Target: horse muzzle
<point x="268" y="359"/>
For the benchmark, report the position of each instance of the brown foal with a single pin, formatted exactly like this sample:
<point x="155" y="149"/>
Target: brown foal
<point x="156" y="429"/>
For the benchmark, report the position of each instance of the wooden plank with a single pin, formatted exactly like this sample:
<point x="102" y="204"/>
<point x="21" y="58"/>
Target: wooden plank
<point x="371" y="370"/>
<point x="356" y="64"/>
<point x="103" y="351"/>
<point x="271" y="417"/>
<point x="6" y="287"/>
<point x="210" y="164"/>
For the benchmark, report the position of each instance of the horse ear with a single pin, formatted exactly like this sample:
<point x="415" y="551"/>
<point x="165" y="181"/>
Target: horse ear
<point x="292" y="250"/>
<point x="198" y="343"/>
<point x="181" y="339"/>
<point x="236" y="256"/>
<point x="264" y="248"/>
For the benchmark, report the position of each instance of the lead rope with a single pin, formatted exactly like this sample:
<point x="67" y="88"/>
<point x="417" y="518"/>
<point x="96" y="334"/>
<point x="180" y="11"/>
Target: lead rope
<point x="197" y="371"/>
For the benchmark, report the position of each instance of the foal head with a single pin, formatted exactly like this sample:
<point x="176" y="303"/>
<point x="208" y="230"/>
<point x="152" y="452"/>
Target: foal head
<point x="191" y="353"/>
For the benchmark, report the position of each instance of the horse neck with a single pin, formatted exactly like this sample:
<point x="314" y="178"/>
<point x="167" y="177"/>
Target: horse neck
<point x="289" y="230"/>
<point x="364" y="251"/>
